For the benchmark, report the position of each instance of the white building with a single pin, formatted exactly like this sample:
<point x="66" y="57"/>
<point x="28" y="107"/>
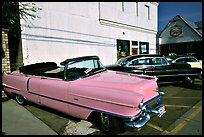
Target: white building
<point x="72" y="29"/>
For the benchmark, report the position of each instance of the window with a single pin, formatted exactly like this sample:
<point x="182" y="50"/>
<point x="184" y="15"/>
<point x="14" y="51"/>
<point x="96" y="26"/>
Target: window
<point x="122" y="61"/>
<point x="134" y="43"/>
<point x="158" y="61"/>
<point x="123" y="8"/>
<point x="186" y="60"/>
<point x="134" y="47"/>
<point x="136" y="8"/>
<point x="147" y="12"/>
<point x="86" y="64"/>
<point x="123" y="48"/>
<point x="144" y="47"/>
<point x="143" y="61"/>
<point x="193" y="59"/>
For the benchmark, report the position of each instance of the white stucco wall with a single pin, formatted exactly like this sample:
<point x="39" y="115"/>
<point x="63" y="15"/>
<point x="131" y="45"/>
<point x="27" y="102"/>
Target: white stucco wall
<point x="71" y="29"/>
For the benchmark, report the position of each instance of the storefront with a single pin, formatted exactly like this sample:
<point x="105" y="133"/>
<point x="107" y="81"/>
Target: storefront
<point x="126" y="48"/>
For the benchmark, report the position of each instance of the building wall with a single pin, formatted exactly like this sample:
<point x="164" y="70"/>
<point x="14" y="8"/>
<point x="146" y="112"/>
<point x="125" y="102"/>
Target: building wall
<point x="5" y="52"/>
<point x="187" y="34"/>
<point x="71" y="29"/>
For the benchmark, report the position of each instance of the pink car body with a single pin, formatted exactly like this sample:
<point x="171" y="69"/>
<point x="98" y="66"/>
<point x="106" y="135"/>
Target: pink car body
<point x="118" y="94"/>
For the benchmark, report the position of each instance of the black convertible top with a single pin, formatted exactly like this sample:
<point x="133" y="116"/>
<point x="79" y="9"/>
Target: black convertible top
<point x="29" y="68"/>
<point x="77" y="59"/>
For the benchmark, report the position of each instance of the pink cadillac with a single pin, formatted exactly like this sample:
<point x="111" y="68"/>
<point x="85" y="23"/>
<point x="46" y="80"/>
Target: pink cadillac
<point x="83" y="88"/>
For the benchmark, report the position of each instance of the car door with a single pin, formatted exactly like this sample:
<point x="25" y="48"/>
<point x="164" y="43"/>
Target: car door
<point x="159" y="66"/>
<point x="139" y="65"/>
<point x="194" y="62"/>
<point x="33" y="88"/>
<point x="164" y="71"/>
<point x="54" y="93"/>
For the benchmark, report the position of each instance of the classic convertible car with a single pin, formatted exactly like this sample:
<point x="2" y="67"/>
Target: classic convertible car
<point x="157" y="65"/>
<point x="83" y="88"/>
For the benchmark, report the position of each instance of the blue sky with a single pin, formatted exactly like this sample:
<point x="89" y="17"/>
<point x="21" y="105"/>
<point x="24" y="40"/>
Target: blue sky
<point x="189" y="10"/>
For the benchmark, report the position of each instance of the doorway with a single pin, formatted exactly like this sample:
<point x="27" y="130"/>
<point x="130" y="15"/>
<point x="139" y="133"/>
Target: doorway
<point x="123" y="48"/>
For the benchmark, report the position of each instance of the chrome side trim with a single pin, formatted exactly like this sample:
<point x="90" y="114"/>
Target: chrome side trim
<point x="169" y="82"/>
<point x="178" y="75"/>
<point x="10" y="87"/>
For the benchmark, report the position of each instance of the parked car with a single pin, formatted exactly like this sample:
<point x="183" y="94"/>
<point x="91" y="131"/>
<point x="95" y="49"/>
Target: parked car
<point x="193" y="61"/>
<point x="157" y="65"/>
<point x="83" y="88"/>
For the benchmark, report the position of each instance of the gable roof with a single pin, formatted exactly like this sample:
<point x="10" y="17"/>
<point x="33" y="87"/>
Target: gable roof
<point x="192" y="25"/>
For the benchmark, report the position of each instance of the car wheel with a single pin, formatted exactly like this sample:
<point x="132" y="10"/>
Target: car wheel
<point x="20" y="99"/>
<point x="110" y="124"/>
<point x="188" y="81"/>
<point x="8" y="95"/>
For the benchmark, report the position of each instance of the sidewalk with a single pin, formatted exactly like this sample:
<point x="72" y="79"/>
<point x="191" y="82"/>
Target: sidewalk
<point x="188" y="124"/>
<point x="16" y="120"/>
<point x="15" y="114"/>
<point x="23" y="122"/>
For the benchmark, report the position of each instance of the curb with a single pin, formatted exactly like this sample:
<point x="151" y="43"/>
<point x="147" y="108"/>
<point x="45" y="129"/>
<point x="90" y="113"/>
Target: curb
<point x="4" y="97"/>
<point x="185" y="121"/>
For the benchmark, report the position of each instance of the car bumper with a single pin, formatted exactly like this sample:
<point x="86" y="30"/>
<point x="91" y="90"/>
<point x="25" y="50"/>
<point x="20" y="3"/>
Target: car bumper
<point x="144" y="116"/>
<point x="200" y="76"/>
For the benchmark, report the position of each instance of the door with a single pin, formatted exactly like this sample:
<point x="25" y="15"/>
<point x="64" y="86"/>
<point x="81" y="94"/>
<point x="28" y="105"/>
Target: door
<point x="54" y="93"/>
<point x="33" y="89"/>
<point x="123" y="48"/>
<point x="134" y="51"/>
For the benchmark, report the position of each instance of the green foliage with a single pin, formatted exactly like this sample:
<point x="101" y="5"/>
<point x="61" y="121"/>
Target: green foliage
<point x="27" y="10"/>
<point x="12" y="12"/>
<point x="10" y="15"/>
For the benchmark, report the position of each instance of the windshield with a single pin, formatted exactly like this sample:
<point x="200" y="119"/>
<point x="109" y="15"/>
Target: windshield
<point x="83" y="69"/>
<point x="122" y="61"/>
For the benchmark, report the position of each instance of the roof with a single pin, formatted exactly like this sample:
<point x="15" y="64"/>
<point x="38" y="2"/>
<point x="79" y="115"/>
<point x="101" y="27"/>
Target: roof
<point x="193" y="25"/>
<point x="178" y="56"/>
<point x="142" y="55"/>
<point x="199" y="24"/>
<point x="78" y="59"/>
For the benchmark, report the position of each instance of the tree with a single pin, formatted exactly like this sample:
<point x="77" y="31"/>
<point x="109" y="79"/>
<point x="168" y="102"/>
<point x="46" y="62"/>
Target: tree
<point x="12" y="12"/>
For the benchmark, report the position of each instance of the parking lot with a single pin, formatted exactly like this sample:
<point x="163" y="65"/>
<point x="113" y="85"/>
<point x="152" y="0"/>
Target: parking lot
<point x="177" y="100"/>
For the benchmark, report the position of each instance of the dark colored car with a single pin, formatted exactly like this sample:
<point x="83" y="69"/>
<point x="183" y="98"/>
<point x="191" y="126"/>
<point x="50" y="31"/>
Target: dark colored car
<point x="157" y="65"/>
<point x="193" y="61"/>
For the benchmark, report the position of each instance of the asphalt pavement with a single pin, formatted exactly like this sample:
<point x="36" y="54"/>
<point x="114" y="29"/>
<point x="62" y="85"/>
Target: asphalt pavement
<point x="188" y="124"/>
<point x="25" y="123"/>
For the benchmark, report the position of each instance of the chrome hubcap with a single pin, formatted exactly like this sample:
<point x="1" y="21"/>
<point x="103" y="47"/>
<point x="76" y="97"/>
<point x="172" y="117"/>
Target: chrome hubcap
<point x="20" y="99"/>
<point x="189" y="80"/>
<point x="104" y="121"/>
